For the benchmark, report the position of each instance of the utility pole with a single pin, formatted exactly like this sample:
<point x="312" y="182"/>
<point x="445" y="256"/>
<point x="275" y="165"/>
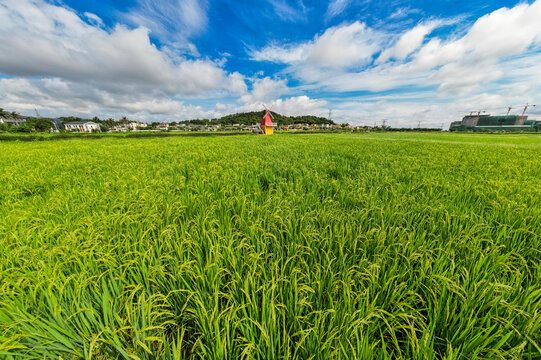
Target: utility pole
<point x="418" y="124"/>
<point x="383" y="123"/>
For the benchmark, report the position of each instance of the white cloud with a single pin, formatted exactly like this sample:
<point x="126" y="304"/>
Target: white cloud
<point x="410" y="41"/>
<point x="336" y="7"/>
<point x="412" y="111"/>
<point x="287" y="12"/>
<point x="340" y="46"/>
<point x="108" y="66"/>
<point x="477" y="58"/>
<point x="493" y="64"/>
<point x="500" y="34"/>
<point x="93" y="19"/>
<point x="403" y="12"/>
<point x="48" y="40"/>
<point x="174" y="22"/>
<point x="300" y="105"/>
<point x="56" y="97"/>
<point x="265" y="90"/>
<point x="342" y="58"/>
<point x="292" y="106"/>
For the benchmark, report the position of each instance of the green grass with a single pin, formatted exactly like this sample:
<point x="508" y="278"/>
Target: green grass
<point x="35" y="136"/>
<point x="371" y="246"/>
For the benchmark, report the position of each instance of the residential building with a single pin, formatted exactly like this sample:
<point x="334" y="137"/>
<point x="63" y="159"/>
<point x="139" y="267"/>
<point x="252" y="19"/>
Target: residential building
<point x="163" y="126"/>
<point x="82" y="126"/>
<point x="12" y="121"/>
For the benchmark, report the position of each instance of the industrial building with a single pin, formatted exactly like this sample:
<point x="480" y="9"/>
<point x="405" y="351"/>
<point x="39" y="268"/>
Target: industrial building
<point x="476" y="121"/>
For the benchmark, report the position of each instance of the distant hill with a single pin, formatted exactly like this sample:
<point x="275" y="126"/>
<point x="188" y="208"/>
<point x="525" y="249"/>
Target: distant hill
<point x="249" y="118"/>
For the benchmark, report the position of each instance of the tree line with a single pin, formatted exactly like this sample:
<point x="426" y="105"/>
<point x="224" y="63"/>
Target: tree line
<point x="254" y="117"/>
<point x="44" y="124"/>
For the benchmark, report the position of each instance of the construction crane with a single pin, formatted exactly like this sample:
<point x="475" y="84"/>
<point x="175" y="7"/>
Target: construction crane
<point x="478" y="112"/>
<point x="521" y="118"/>
<point x="37" y="113"/>
<point x="509" y="108"/>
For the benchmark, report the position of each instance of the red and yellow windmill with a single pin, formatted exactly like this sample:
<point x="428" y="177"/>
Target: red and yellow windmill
<point x="266" y="122"/>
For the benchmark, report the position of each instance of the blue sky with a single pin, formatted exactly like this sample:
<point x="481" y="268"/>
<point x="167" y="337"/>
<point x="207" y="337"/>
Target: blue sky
<point x="368" y="61"/>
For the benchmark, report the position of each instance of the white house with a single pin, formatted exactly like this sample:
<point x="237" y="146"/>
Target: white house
<point x="82" y="126"/>
<point x="163" y="126"/>
<point x="128" y="127"/>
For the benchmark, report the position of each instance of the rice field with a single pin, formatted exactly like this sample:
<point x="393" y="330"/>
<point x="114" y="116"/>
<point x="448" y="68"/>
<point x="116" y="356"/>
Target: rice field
<point x="313" y="246"/>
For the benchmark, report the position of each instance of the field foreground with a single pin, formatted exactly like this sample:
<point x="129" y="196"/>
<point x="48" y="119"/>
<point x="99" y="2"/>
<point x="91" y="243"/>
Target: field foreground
<point x="370" y="246"/>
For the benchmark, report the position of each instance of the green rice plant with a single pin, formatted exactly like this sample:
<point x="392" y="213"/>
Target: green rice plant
<point x="305" y="246"/>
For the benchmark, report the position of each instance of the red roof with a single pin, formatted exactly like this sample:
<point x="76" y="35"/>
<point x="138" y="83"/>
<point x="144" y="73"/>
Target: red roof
<point x="266" y="120"/>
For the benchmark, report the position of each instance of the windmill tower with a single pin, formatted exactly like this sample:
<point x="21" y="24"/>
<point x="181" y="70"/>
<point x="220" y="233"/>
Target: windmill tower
<point x="266" y="122"/>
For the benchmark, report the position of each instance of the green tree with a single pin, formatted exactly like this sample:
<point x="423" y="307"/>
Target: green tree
<point x="39" y="124"/>
<point x="23" y="128"/>
<point x="6" y="127"/>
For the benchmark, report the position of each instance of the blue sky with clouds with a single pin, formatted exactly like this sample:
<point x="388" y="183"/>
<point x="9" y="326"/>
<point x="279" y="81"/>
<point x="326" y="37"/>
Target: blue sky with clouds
<point x="369" y="61"/>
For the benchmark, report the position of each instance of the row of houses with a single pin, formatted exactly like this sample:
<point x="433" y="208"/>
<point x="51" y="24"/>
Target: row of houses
<point x="240" y="127"/>
<point x="87" y="126"/>
<point x="78" y="126"/>
<point x="90" y="126"/>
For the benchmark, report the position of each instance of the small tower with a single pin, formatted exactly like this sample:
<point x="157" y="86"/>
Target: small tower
<point x="266" y="122"/>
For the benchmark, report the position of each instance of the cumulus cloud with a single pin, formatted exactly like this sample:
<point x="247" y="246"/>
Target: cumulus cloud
<point x="291" y="106"/>
<point x="265" y="90"/>
<point x="300" y="105"/>
<point x="342" y="59"/>
<point x="89" y="65"/>
<point x="49" y="40"/>
<point x="174" y="22"/>
<point x="60" y="97"/>
<point x="57" y="97"/>
<point x="339" y="46"/>
<point x="408" y="42"/>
